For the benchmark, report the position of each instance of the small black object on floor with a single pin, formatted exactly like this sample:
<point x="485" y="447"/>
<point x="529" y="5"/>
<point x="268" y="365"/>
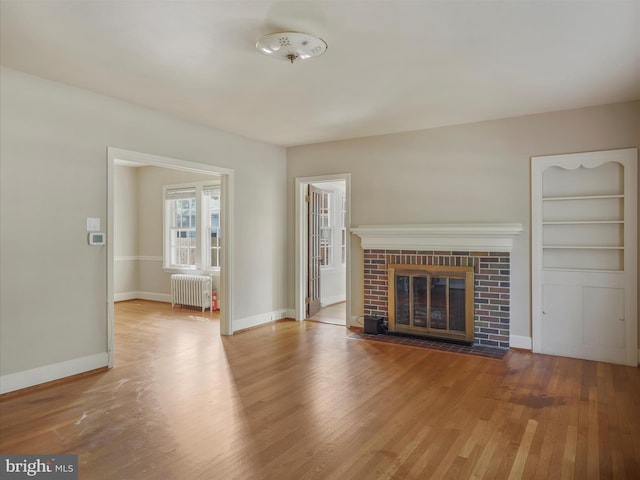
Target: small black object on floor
<point x="374" y="325"/>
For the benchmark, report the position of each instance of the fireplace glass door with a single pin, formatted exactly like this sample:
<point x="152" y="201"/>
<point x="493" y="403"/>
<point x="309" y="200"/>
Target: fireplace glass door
<point x="429" y="301"/>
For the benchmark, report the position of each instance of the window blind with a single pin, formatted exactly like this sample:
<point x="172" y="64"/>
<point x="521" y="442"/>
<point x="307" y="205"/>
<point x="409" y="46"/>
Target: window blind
<point x="211" y="191"/>
<point x="180" y="193"/>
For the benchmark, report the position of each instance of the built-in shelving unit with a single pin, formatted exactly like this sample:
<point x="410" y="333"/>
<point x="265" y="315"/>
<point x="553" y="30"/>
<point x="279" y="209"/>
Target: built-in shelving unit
<point x="584" y="250"/>
<point x="583" y="218"/>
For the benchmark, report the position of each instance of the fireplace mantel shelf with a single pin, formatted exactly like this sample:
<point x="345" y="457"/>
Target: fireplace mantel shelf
<point x="477" y="237"/>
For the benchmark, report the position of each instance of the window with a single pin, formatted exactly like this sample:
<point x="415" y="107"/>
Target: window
<point x="326" y="232"/>
<point x="192" y="227"/>
<point x="211" y="202"/>
<point x="182" y="228"/>
<point x="333" y="230"/>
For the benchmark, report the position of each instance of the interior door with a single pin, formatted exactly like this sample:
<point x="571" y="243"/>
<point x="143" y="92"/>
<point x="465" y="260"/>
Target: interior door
<point x="314" y="197"/>
<point x="584" y="251"/>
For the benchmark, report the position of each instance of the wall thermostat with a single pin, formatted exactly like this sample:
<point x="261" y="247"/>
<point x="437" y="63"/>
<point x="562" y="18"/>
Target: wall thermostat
<point x="96" y="238"/>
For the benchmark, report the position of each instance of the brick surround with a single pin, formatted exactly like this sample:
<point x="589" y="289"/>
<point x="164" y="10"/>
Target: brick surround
<point x="491" y="292"/>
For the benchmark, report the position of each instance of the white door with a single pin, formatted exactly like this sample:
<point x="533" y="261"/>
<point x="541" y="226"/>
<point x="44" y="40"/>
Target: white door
<point x="584" y="251"/>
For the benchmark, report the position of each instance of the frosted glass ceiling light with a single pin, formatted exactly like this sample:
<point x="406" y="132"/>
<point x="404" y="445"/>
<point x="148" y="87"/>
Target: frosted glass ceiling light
<point x="291" y="46"/>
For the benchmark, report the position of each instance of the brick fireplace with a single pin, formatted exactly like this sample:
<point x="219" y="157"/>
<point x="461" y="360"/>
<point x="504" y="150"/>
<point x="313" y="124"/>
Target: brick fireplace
<point x="485" y="248"/>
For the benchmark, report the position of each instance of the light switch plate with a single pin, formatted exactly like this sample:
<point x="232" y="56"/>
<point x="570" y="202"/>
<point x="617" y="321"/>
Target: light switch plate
<point x="93" y="224"/>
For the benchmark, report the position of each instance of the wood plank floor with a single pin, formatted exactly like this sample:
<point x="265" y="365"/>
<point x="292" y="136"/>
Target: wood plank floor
<point x="335" y="314"/>
<point x="302" y="401"/>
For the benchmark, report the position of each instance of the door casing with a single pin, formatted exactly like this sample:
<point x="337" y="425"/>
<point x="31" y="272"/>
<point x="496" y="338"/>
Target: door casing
<point x="301" y="233"/>
<point x="227" y="224"/>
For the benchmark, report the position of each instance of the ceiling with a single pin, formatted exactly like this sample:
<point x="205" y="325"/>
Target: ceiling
<point x="391" y="66"/>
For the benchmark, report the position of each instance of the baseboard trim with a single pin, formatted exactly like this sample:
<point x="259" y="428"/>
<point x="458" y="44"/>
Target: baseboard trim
<point x="124" y="296"/>
<point x="48" y="373"/>
<point x="517" y="341"/>
<point x="59" y="381"/>
<point x="246" y="323"/>
<point x="249" y="322"/>
<point x="154" y="297"/>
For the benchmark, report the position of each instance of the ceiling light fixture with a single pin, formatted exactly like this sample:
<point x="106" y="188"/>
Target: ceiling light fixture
<point x="291" y="46"/>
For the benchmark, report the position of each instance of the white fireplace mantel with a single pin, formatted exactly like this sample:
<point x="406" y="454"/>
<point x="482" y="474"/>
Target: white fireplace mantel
<point x="477" y="237"/>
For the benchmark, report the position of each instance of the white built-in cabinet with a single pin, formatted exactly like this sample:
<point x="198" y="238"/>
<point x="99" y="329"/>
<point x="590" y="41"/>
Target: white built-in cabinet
<point x="584" y="255"/>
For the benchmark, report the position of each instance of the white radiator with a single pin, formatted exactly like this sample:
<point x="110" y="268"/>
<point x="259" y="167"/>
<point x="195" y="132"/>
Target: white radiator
<point x="191" y="290"/>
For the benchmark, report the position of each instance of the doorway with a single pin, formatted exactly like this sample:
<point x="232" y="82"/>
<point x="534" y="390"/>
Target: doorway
<point x="323" y="248"/>
<point x="225" y="175"/>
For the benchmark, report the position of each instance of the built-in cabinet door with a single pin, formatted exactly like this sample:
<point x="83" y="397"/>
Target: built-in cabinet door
<point x="584" y="255"/>
<point x="583" y="316"/>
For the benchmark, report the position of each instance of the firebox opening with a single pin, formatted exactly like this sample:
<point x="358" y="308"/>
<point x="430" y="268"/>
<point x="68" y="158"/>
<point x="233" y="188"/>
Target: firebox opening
<point x="432" y="301"/>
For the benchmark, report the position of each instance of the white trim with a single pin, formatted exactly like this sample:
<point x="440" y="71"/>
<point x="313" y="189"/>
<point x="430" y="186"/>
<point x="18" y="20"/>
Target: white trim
<point x="280" y="314"/>
<point x="48" y="373"/>
<point x="125" y="259"/>
<point x="485" y="237"/>
<point x="155" y="297"/>
<point x="261" y="319"/>
<point x="300" y="250"/>
<point x="254" y="321"/>
<point x="301" y="235"/>
<point x="149" y="258"/>
<point x="110" y="255"/>
<point x="152" y="296"/>
<point x="518" y="341"/>
<point x="119" y="154"/>
<point x="137" y="258"/>
<point x="124" y="296"/>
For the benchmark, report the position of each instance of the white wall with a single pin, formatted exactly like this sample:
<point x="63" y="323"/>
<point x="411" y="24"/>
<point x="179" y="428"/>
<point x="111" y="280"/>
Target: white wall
<point x="125" y="204"/>
<point x="468" y="173"/>
<point x="53" y="159"/>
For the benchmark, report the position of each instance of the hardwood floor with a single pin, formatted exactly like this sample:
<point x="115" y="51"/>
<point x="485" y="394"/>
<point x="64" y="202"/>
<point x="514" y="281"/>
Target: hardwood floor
<point x="302" y="401"/>
<point x="335" y="314"/>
